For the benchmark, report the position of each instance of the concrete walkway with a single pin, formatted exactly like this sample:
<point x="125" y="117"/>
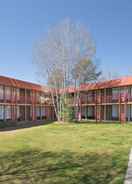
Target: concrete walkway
<point x="128" y="177"/>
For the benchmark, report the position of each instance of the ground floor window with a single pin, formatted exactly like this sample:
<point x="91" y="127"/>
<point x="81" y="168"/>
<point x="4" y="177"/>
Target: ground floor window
<point x="18" y="112"/>
<point x="43" y="113"/>
<point x="8" y="112"/>
<point x="1" y="112"/>
<point x="38" y="112"/>
<point x="115" y="112"/>
<point x="129" y="112"/>
<point x="88" y="112"/>
<point x="109" y="112"/>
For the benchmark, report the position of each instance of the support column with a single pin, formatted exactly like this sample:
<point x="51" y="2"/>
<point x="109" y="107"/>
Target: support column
<point x="4" y="112"/>
<point x="125" y="112"/>
<point x="96" y="106"/>
<point x="25" y="106"/>
<point x="105" y="101"/>
<point x="12" y="112"/>
<point x="120" y="112"/>
<point x="85" y="112"/>
<point x="40" y="112"/>
<point x="129" y="112"/>
<point x="32" y="106"/>
<point x="4" y="95"/>
<point x="16" y="103"/>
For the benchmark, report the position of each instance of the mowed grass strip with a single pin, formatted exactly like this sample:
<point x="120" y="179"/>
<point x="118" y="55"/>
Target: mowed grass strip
<point x="65" y="154"/>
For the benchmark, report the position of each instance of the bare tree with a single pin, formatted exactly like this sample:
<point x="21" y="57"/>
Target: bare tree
<point x="65" y="45"/>
<point x="83" y="72"/>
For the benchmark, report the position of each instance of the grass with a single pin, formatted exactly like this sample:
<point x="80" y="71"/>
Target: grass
<point x="65" y="154"/>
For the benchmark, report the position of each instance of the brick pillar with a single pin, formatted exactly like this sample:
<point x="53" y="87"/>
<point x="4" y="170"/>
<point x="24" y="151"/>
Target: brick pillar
<point x="25" y="106"/>
<point x="95" y="112"/>
<point x="33" y="115"/>
<point x="98" y="112"/>
<point x="123" y="113"/>
<point x="4" y="94"/>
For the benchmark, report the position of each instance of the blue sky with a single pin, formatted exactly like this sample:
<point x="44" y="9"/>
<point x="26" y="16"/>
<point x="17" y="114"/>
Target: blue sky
<point x="22" y="22"/>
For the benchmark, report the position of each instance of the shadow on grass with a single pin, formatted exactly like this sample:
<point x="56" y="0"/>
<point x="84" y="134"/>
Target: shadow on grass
<point x="33" y="166"/>
<point x="94" y="122"/>
<point x="9" y="126"/>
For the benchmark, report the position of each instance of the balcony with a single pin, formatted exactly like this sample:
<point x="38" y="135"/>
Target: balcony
<point x="110" y="99"/>
<point x="21" y="100"/>
<point x="1" y="100"/>
<point x="28" y="100"/>
<point x="88" y="98"/>
<point x="8" y="99"/>
<point x="129" y="98"/>
<point x="117" y="98"/>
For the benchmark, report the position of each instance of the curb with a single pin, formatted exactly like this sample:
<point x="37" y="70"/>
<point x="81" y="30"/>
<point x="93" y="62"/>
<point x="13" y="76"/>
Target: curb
<point x="128" y="177"/>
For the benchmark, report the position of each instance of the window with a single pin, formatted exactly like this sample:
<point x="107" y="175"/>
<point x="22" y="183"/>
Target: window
<point x="38" y="112"/>
<point x="18" y="112"/>
<point x="43" y="113"/>
<point x="1" y="112"/>
<point x="90" y="112"/>
<point x="7" y="93"/>
<point x="8" y="112"/>
<point x="83" y="113"/>
<point x="115" y="111"/>
<point x="90" y="96"/>
<point x="18" y="93"/>
<point x="1" y="92"/>
<point x="124" y="90"/>
<point x="38" y="97"/>
<point x="115" y="93"/>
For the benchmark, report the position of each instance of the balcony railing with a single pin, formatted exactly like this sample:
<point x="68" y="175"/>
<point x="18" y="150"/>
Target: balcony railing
<point x="90" y="99"/>
<point x="28" y="100"/>
<point x="23" y="100"/>
<point x="117" y="98"/>
<point x="86" y="99"/>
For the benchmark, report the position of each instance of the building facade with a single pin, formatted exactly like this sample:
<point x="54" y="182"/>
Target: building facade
<point x="103" y="101"/>
<point x="107" y="101"/>
<point x="24" y="101"/>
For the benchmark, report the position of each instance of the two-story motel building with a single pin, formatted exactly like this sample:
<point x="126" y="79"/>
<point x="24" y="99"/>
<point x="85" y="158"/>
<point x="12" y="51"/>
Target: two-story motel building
<point x="103" y="101"/>
<point x="20" y="101"/>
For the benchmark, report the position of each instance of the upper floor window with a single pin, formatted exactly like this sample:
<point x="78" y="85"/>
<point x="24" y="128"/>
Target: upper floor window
<point x="7" y="93"/>
<point x="90" y="95"/>
<point x="18" y="93"/>
<point x="28" y="93"/>
<point x="1" y="92"/>
<point x="115" y="92"/>
<point x="38" y="97"/>
<point x="124" y="91"/>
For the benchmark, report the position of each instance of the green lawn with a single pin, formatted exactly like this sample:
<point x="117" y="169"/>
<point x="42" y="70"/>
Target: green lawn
<point x="65" y="154"/>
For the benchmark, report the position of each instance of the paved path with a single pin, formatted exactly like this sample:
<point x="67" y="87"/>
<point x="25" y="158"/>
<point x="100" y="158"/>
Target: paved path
<point x="14" y="131"/>
<point x="128" y="177"/>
